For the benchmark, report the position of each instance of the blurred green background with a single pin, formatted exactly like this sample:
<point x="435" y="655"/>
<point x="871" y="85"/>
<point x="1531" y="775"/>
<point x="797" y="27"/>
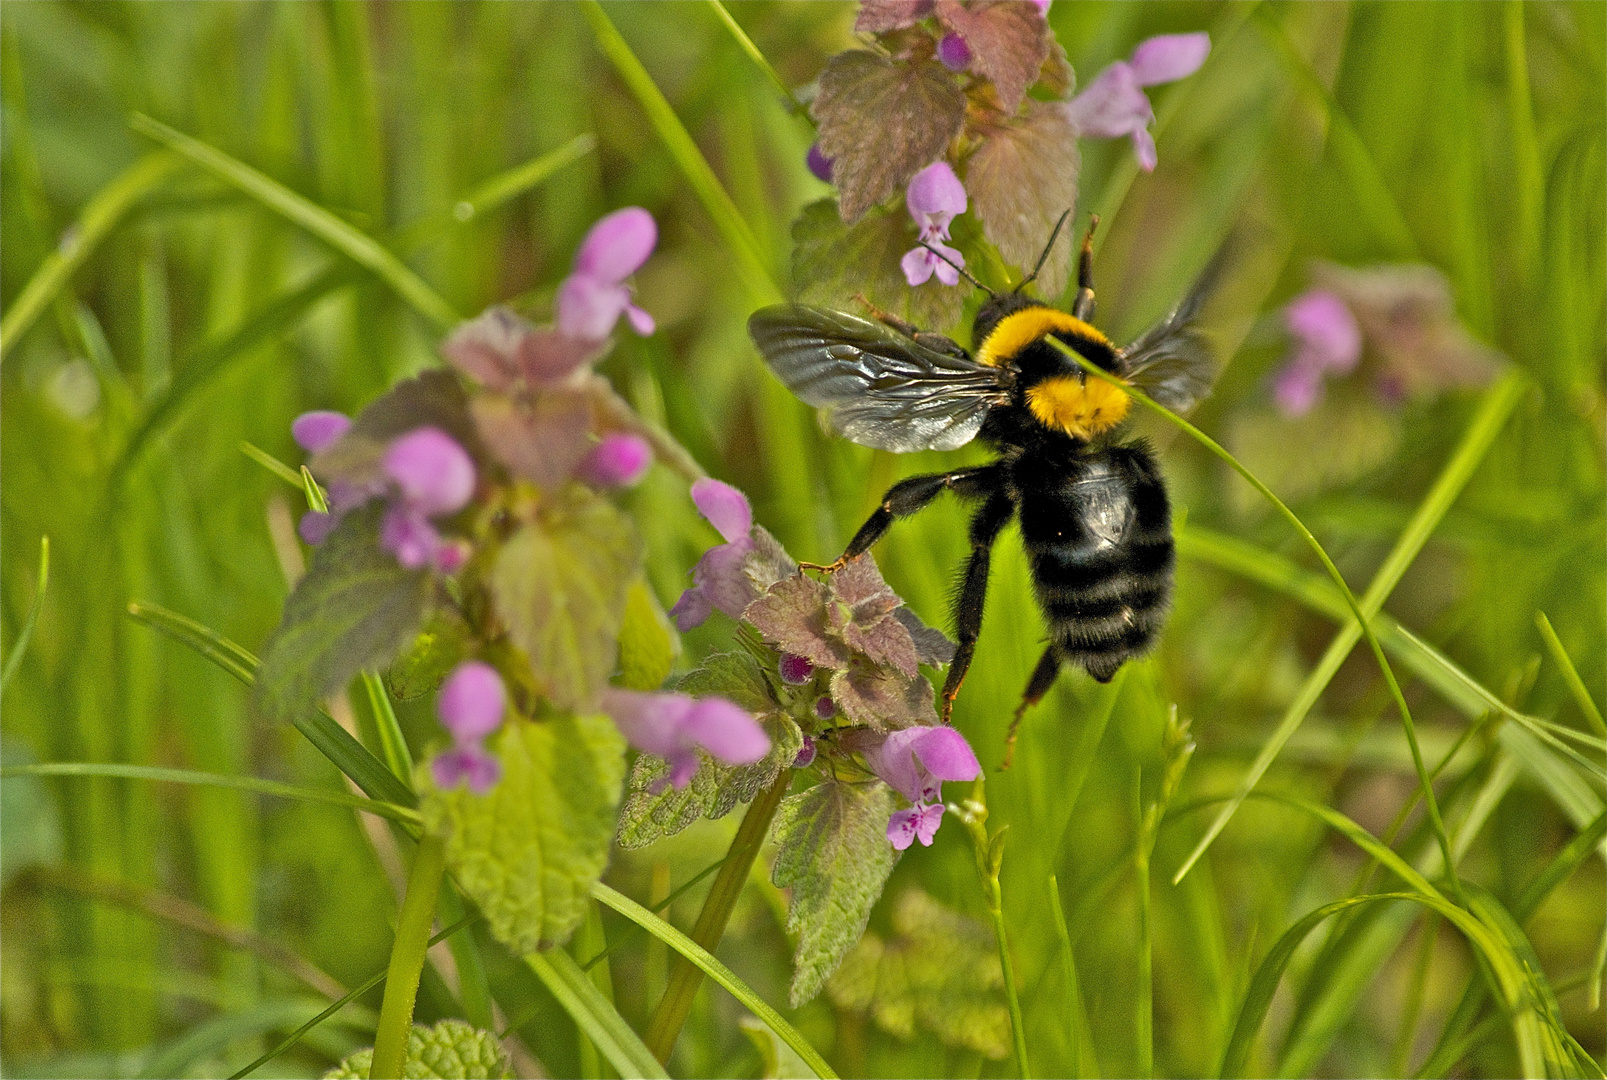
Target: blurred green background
<point x="139" y="920"/>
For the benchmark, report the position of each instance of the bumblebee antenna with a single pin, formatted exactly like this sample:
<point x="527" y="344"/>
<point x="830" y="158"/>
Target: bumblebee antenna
<point x="1028" y="280"/>
<point x="963" y="272"/>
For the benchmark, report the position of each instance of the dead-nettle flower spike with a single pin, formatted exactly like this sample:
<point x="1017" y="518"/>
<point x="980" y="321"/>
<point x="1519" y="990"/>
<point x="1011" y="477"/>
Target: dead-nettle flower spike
<point x="915" y="762"/>
<point x="470" y="706"/>
<point x="592" y="299"/>
<point x="433" y="476"/>
<point x="934" y="197"/>
<point x="1114" y="104"/>
<point x="718" y="581"/>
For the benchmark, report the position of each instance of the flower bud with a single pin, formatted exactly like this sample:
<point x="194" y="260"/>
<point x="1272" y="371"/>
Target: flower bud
<point x="433" y="472"/>
<point x="619" y="460"/>
<point x="796" y="670"/>
<point x="471" y="701"/>
<point x="313" y="431"/>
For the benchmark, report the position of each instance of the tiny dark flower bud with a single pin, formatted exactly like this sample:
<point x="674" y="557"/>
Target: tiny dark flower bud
<point x="806" y="755"/>
<point x="818" y="163"/>
<point x="954" y="52"/>
<point x="825" y="708"/>
<point x="796" y="670"/>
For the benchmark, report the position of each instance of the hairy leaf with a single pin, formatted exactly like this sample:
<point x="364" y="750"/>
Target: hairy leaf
<point x="835" y="856"/>
<point x="768" y="562"/>
<point x="882" y="121"/>
<point x="880" y="16"/>
<point x="559" y="586"/>
<point x="451" y="1050"/>
<point x="940" y="970"/>
<point x="355" y="608"/>
<point x="833" y="264"/>
<point x="883" y="698"/>
<point x="1021" y="179"/>
<point x="1009" y="42"/>
<point x="648" y="645"/>
<point x="653" y="810"/>
<point x="529" y="850"/>
<point x="542" y="436"/>
<point x="422" y="668"/>
<point x="863" y="616"/>
<point x="793" y="615"/>
<point x="932" y="646"/>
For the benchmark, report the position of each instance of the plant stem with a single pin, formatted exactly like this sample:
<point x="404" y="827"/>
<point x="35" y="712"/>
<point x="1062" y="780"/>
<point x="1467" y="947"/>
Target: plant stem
<point x="989" y="857"/>
<point x="407" y="959"/>
<point x="686" y="977"/>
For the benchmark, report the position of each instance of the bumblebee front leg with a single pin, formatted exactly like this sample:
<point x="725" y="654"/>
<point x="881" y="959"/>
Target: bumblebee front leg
<point x="908" y="497"/>
<point x="1083" y="306"/>
<point x="985" y="529"/>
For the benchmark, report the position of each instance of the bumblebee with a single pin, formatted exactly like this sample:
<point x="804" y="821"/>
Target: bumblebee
<point x="1093" y="509"/>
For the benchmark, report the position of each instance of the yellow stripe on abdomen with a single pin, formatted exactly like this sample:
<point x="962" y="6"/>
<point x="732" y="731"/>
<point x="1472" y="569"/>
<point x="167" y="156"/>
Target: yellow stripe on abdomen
<point x="1020" y="329"/>
<point x="1080" y="409"/>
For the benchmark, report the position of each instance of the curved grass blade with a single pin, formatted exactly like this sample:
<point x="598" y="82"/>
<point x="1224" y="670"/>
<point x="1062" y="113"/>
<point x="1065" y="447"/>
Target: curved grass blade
<point x="716" y="971"/>
<point x="1570" y="673"/>
<point x="520" y="179"/>
<point x="340" y="1003"/>
<point x="205" y="779"/>
<point x="742" y="39"/>
<point x="354" y="244"/>
<point x="333" y="741"/>
<point x="599" y="1020"/>
<point x="18" y="650"/>
<point x="212" y="1036"/>
<point x="100" y="216"/>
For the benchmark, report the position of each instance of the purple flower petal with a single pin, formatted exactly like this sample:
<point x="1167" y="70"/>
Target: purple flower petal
<point x="1325" y="330"/>
<point x="1043" y="6"/>
<point x="650" y="722"/>
<point x="935" y="191"/>
<point x="471" y="701"/>
<point x="408" y="535"/>
<point x="618" y="245"/>
<point x="314" y="528"/>
<point x="1169" y="57"/>
<point x="818" y="163"/>
<point x="589" y="307"/>
<point x="450" y="556"/>
<point x="720" y="576"/>
<point x="471" y="764"/>
<point x="726" y="508"/>
<point x="1297" y="387"/>
<point x="944" y="753"/>
<point x="917" y="264"/>
<point x="916" y="760"/>
<point x="683" y="766"/>
<point x="927" y="820"/>
<point x="433" y="472"/>
<point x="692" y="609"/>
<point x="727" y="731"/>
<point x="796" y="670"/>
<point x="901" y="828"/>
<point x="953" y="52"/>
<point x="619" y="460"/>
<point x="314" y="431"/>
<point x="1111" y="106"/>
<point x="640" y="321"/>
<point x="806" y="754"/>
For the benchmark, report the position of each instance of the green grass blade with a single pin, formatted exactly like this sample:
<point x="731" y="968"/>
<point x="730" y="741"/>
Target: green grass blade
<point x="351" y="242"/>
<point x="213" y="1036"/>
<point x="742" y="39"/>
<point x="333" y="741"/>
<point x="272" y="464"/>
<point x="598" y="1020"/>
<point x="738" y="236"/>
<point x="20" y="648"/>
<point x="100" y="216"/>
<point x="521" y="178"/>
<point x="1075" y="1013"/>
<point x="239" y="783"/>
<point x="716" y="971"/>
<point x="408" y="948"/>
<point x="391" y="741"/>
<point x="1570" y="673"/>
<point x="1525" y="147"/>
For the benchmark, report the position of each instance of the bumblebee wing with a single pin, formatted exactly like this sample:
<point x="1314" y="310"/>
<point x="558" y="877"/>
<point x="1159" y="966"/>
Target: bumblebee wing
<point x="1171" y="361"/>
<point x="876" y="386"/>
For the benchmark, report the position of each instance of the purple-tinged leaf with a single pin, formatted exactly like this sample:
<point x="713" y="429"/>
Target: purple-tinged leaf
<point x="833" y="263"/>
<point x="792" y="615"/>
<point x="1008" y="39"/>
<point x="880" y="16"/>
<point x="881" y="121"/>
<point x="882" y="698"/>
<point x="1021" y="179"/>
<point x="542" y="437"/>
<point x="932" y="646"/>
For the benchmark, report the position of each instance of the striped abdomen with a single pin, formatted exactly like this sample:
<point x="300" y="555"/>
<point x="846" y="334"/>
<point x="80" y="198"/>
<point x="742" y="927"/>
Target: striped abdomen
<point x="1098" y="533"/>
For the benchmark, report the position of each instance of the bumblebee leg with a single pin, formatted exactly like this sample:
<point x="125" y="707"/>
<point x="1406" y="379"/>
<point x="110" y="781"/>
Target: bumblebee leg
<point x="1043" y="677"/>
<point x="1083" y="306"/>
<point x="985" y="529"/>
<point x="908" y="497"/>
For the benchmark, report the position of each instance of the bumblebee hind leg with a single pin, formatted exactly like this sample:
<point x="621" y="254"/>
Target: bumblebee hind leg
<point x="1043" y="677"/>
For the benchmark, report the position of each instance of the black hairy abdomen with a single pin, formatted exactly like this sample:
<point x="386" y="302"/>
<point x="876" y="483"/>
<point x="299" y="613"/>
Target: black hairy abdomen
<point x="1098" y="533"/>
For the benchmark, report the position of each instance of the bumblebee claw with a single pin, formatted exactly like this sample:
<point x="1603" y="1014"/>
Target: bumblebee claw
<point x="827" y="568"/>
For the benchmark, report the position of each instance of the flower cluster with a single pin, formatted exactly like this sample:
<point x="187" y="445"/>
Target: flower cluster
<point x="914" y="762"/>
<point x="425" y="475"/>
<point x="1402" y="317"/>
<point x="934" y="197"/>
<point x="470" y="706"/>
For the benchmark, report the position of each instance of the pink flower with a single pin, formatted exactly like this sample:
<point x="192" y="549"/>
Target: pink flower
<point x="470" y="706"/>
<point x="318" y="430"/>
<point x="1114" y="104"/>
<point x="673" y="726"/>
<point x="915" y="762"/>
<point x="718" y="580"/>
<point x="592" y="299"/>
<point x="619" y="460"/>
<point x="934" y="196"/>
<point x="1327" y="341"/>
<point x="433" y="476"/>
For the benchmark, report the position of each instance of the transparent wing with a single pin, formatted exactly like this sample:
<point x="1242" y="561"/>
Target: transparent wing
<point x="1171" y="361"/>
<point x="876" y="386"/>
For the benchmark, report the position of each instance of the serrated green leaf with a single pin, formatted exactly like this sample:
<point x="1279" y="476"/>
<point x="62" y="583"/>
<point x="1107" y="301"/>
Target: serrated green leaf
<point x="559" y="586"/>
<point x="355" y="608"/>
<point x="835" y="856"/>
<point x="529" y="850"/>
<point x="421" y="669"/>
<point x="833" y="263"/>
<point x="940" y="970"/>
<point x="715" y="789"/>
<point x="648" y="645"/>
<point x="451" y="1050"/>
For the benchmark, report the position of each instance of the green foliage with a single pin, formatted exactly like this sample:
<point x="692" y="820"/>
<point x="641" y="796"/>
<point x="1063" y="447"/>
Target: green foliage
<point x="528" y="851"/>
<point x="560" y="584"/>
<point x="434" y="652"/>
<point x="832" y="851"/>
<point x="449" y="1050"/>
<point x="648" y="645"/>
<point x="355" y="608"/>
